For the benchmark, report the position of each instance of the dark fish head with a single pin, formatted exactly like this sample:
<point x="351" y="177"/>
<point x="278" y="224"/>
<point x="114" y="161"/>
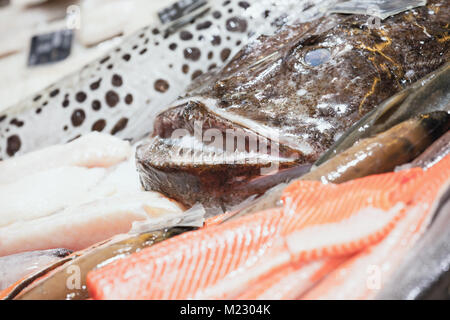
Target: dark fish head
<point x="300" y="89"/>
<point x="315" y="79"/>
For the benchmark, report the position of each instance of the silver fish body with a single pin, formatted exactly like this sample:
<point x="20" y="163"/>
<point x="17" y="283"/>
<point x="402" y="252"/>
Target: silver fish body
<point x="425" y="272"/>
<point x="16" y="266"/>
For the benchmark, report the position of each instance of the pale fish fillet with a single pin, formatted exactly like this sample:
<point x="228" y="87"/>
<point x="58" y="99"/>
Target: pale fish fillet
<point x="44" y="193"/>
<point x="226" y="260"/>
<point x="92" y="150"/>
<point x="121" y="179"/>
<point x="78" y="227"/>
<point x="363" y="276"/>
<point x="51" y="186"/>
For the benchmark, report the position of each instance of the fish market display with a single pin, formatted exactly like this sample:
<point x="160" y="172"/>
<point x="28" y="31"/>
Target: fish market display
<point x="16" y="266"/>
<point x="77" y="194"/>
<point x="319" y="228"/>
<point x="286" y="99"/>
<point x="350" y="280"/>
<point x="385" y="151"/>
<point x="121" y="92"/>
<point x="67" y="280"/>
<point x="274" y="149"/>
<point x="381" y="153"/>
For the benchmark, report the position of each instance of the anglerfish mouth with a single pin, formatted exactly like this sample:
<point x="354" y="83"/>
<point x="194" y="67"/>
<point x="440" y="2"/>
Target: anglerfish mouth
<point x="231" y="150"/>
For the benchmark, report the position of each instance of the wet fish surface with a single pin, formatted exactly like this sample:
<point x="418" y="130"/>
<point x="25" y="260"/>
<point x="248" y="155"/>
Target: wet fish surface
<point x="297" y="91"/>
<point x="54" y="286"/>
<point x="16" y="266"/>
<point x="382" y="153"/>
<point x="73" y="195"/>
<point x="434" y="153"/>
<point x="59" y="283"/>
<point x="432" y="93"/>
<point x="424" y="274"/>
<point x="378" y="154"/>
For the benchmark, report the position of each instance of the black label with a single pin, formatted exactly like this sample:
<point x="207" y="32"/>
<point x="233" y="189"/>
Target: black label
<point x="179" y="9"/>
<point x="50" y="47"/>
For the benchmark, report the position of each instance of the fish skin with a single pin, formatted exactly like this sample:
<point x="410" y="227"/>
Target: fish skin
<point x="432" y="93"/>
<point x="378" y="154"/>
<point x="53" y="285"/>
<point x="382" y="153"/>
<point x="15" y="267"/>
<point x="423" y="274"/>
<point x="122" y="91"/>
<point x="365" y="211"/>
<point x="434" y="153"/>
<point x="370" y="50"/>
<point x="17" y="287"/>
<point x="229" y="182"/>
<point x="365" y="67"/>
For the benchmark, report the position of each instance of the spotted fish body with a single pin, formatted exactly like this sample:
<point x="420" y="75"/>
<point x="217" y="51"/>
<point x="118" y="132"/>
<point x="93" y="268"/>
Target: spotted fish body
<point x="122" y="91"/>
<point x="301" y="89"/>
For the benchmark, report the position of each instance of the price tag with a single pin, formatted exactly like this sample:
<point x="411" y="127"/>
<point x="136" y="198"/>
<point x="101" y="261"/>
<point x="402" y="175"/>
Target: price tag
<point x="377" y="8"/>
<point x="50" y="47"/>
<point x="4" y="3"/>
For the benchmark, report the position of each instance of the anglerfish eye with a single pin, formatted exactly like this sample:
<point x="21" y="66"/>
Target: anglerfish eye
<point x="317" y="57"/>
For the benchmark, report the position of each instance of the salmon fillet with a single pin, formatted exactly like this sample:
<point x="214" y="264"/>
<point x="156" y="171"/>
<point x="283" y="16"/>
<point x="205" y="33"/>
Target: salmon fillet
<point x="318" y="228"/>
<point x="362" y="276"/>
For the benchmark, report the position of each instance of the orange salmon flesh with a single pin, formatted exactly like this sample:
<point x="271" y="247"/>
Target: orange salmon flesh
<point x="322" y="243"/>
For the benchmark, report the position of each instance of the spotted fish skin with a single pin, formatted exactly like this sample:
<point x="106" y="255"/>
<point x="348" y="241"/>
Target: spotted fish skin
<point x="121" y="92"/>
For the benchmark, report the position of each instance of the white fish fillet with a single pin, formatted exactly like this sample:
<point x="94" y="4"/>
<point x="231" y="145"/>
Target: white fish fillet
<point x="92" y="150"/>
<point x="121" y="179"/>
<point x="80" y="226"/>
<point x="46" y="192"/>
